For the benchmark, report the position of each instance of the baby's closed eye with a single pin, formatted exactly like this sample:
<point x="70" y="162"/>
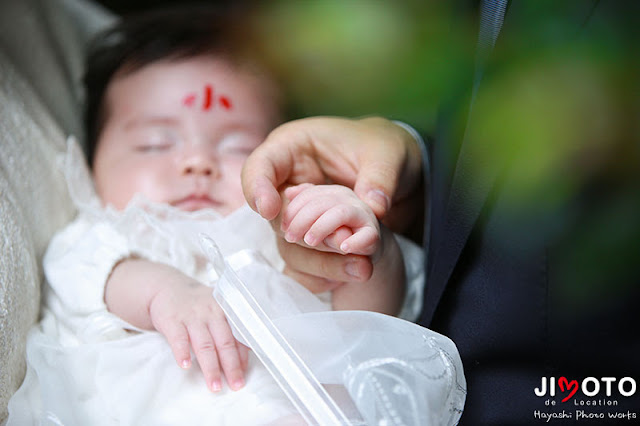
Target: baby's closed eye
<point x="156" y="140"/>
<point x="238" y="143"/>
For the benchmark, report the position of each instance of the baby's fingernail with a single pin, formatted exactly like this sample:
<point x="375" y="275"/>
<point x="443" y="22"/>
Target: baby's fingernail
<point x="344" y="247"/>
<point x="310" y="239"/>
<point x="185" y="363"/>
<point x="289" y="237"/>
<point x="216" y="386"/>
<point x="351" y="268"/>
<point x="379" y="198"/>
<point x="238" y="384"/>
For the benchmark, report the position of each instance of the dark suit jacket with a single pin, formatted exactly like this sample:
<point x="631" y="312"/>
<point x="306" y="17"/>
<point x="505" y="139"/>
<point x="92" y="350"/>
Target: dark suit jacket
<point x="534" y="244"/>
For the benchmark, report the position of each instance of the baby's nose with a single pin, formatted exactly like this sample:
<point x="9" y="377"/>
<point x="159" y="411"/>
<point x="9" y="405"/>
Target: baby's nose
<point x="198" y="164"/>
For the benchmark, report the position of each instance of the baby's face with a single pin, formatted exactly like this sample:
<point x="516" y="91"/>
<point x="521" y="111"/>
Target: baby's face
<point x="178" y="132"/>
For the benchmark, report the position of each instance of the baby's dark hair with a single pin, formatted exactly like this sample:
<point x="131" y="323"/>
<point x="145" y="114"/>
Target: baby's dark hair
<point x="172" y="33"/>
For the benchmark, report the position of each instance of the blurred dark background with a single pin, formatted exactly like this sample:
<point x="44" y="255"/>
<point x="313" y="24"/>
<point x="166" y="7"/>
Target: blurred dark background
<point x="127" y="6"/>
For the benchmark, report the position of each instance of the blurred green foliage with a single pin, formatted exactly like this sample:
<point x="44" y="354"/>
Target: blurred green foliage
<point x="558" y="110"/>
<point x="361" y="57"/>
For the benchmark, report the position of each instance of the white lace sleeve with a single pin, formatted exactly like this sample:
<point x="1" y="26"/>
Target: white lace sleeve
<point x="77" y="264"/>
<point x="414" y="272"/>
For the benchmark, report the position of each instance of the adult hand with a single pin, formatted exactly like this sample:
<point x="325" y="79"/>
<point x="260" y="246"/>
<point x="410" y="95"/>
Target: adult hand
<point x="378" y="159"/>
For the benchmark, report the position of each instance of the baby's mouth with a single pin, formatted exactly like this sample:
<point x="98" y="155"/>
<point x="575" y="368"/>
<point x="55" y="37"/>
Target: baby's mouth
<point x="196" y="202"/>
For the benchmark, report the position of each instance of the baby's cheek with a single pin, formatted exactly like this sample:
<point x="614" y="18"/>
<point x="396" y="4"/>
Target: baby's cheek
<point x="114" y="191"/>
<point x="234" y="194"/>
<point x="231" y="183"/>
<point x="151" y="186"/>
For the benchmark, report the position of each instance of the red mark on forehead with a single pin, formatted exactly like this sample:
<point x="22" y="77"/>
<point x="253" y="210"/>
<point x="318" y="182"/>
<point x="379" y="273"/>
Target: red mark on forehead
<point x="208" y="99"/>
<point x="189" y="99"/>
<point x="225" y="102"/>
<point x="208" y="93"/>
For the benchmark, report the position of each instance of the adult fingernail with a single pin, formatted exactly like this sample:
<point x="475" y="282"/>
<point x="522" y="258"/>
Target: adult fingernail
<point x="259" y="206"/>
<point x="379" y="198"/>
<point x="351" y="268"/>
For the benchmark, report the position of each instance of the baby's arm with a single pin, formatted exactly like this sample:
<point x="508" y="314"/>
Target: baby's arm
<point x="333" y="218"/>
<point x="152" y="296"/>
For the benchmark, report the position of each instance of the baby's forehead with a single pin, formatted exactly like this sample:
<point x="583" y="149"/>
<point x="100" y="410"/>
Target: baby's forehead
<point x="209" y="86"/>
<point x="240" y="69"/>
<point x="223" y="71"/>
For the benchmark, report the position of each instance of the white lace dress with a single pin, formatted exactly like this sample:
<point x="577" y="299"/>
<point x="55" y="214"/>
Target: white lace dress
<point x="88" y="367"/>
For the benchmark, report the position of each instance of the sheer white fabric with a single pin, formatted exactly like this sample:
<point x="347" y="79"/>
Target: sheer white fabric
<point x="87" y="366"/>
<point x="341" y="367"/>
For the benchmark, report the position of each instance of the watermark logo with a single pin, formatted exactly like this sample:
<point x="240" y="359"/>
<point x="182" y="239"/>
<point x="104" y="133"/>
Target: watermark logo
<point x="594" y="398"/>
<point x="591" y="386"/>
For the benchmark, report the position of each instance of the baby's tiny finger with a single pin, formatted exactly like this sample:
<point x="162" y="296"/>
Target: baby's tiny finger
<point x="330" y="221"/>
<point x="304" y="203"/>
<point x="228" y="355"/>
<point x="178" y="338"/>
<point x="302" y="222"/>
<point x="334" y="240"/>
<point x="364" y="242"/>
<point x="293" y="191"/>
<point x="204" y="348"/>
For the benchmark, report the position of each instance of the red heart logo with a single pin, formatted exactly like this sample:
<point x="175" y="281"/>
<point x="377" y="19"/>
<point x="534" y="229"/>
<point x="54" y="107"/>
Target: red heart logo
<point x="565" y="384"/>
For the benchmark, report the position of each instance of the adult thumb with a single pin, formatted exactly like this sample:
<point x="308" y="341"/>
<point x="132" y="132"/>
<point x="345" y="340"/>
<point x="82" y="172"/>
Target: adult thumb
<point x="376" y="183"/>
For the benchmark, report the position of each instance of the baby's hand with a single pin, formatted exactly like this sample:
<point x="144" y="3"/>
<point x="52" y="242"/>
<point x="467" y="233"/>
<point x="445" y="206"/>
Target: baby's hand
<point x="186" y="313"/>
<point x="330" y="218"/>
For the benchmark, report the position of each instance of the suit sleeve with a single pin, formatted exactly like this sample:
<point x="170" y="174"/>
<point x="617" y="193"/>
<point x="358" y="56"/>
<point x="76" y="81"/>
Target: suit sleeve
<point x="414" y="255"/>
